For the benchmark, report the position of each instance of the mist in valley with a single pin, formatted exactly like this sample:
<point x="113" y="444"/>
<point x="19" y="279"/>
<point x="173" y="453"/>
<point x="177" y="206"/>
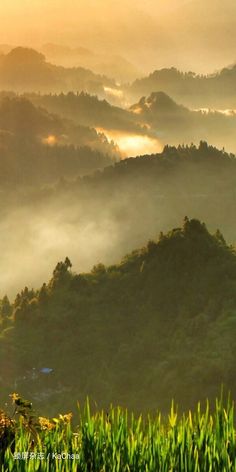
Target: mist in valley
<point x="117" y="201"/>
<point x="102" y="217"/>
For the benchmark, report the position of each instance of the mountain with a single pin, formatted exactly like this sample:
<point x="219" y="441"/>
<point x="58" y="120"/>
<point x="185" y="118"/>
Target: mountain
<point x="25" y="70"/>
<point x="37" y="146"/>
<point x="156" y="117"/>
<point x="88" y="110"/>
<point x="105" y="214"/>
<point x="114" y="66"/>
<point x="170" y="121"/>
<point x="216" y="90"/>
<point x="158" y="325"/>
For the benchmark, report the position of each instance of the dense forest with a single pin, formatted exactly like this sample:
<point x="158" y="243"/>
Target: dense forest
<point x="118" y="119"/>
<point x="67" y="190"/>
<point x="88" y="110"/>
<point x="171" y="120"/>
<point x="42" y="147"/>
<point x="102" y="216"/>
<point x="159" y="324"/>
<point x="216" y="90"/>
<point x="156" y="117"/>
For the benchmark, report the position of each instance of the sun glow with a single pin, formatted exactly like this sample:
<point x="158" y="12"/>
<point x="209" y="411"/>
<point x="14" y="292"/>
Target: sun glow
<point x="51" y="140"/>
<point x="136" y="144"/>
<point x="113" y="92"/>
<point x="133" y="144"/>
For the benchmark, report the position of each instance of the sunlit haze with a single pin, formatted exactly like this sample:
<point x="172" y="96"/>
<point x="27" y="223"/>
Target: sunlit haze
<point x="150" y="33"/>
<point x="133" y="144"/>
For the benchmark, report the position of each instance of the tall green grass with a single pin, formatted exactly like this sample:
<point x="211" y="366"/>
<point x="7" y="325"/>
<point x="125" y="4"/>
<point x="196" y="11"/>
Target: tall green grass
<point x="200" y="441"/>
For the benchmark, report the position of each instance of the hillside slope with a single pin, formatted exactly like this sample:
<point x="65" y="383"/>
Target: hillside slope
<point x="26" y="70"/>
<point x="214" y="90"/>
<point x="160" y="324"/>
<point x="173" y="122"/>
<point x="38" y="146"/>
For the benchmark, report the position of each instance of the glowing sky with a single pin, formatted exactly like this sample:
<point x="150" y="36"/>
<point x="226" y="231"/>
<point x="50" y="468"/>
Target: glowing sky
<point x="195" y="34"/>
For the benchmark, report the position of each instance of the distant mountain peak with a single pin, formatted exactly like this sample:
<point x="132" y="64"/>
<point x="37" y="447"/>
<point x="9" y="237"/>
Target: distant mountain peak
<point x="161" y="99"/>
<point x="157" y="102"/>
<point x="25" y="55"/>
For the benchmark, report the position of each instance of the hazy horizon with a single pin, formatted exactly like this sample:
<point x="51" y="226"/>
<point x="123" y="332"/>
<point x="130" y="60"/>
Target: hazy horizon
<point x="155" y="34"/>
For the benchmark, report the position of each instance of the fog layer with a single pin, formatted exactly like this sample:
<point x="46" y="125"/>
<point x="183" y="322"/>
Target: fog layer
<point x="189" y="34"/>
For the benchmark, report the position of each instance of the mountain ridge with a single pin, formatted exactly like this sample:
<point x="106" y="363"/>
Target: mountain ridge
<point x="165" y="302"/>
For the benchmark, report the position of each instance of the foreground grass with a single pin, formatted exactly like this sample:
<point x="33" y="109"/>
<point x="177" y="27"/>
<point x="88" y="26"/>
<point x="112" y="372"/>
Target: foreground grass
<point x="118" y="442"/>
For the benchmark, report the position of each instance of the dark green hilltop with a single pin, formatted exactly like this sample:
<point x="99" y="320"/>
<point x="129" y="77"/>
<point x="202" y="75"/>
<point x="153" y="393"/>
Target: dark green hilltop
<point x="159" y="325"/>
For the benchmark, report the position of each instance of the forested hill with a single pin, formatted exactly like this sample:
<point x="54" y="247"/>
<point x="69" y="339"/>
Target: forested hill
<point x="159" y="325"/>
<point x="214" y="90"/>
<point x="173" y="121"/>
<point x="105" y="215"/>
<point x="40" y="147"/>
<point x="186" y="169"/>
<point x="88" y="110"/>
<point x="25" y="69"/>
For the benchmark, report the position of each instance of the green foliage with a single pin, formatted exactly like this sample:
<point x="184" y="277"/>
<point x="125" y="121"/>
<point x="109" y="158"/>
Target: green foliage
<point x="122" y="442"/>
<point x="6" y="309"/>
<point x="7" y="434"/>
<point x="61" y="274"/>
<point x="5" y="312"/>
<point x="159" y="324"/>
